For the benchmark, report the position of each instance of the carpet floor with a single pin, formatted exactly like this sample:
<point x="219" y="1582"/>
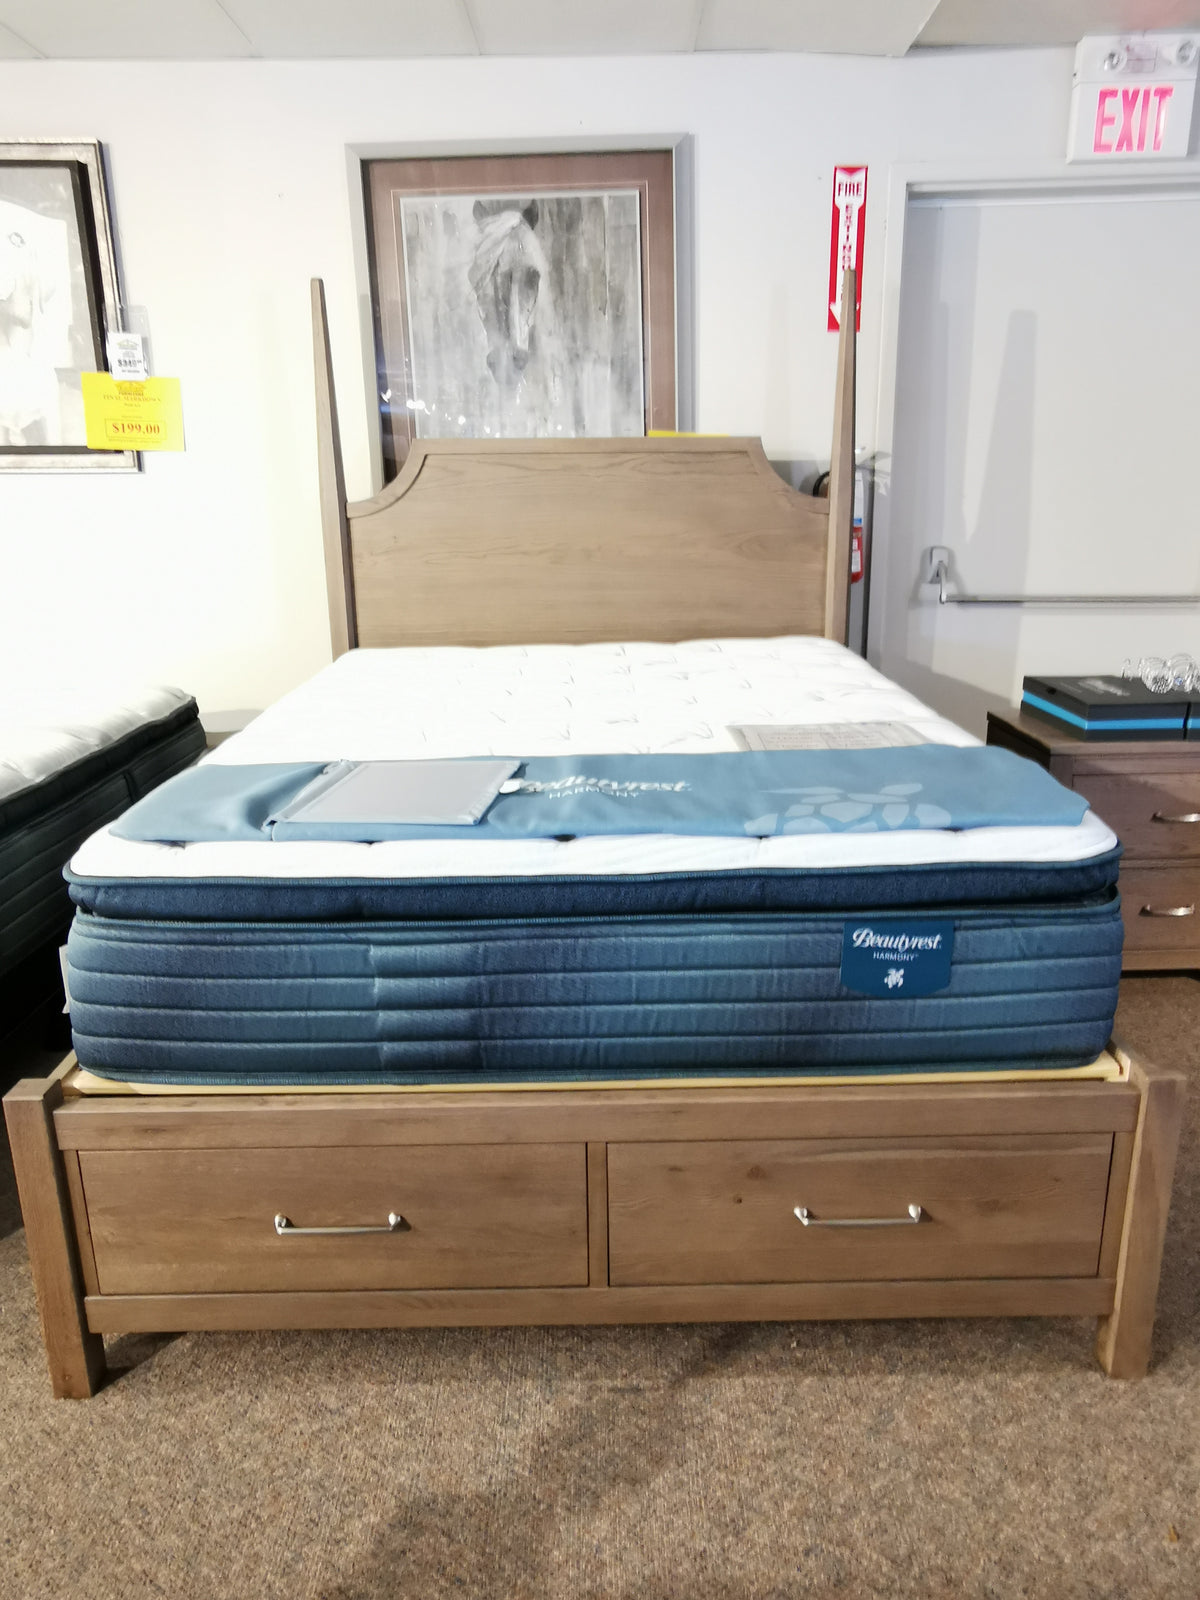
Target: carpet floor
<point x="929" y="1459"/>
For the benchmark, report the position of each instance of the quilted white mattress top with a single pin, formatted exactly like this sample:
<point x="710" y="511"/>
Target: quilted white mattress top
<point x="539" y="700"/>
<point x="46" y="728"/>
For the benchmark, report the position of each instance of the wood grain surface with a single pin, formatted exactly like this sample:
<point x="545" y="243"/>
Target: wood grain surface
<point x="1146" y="890"/>
<point x="1124" y="1337"/>
<point x="339" y="575"/>
<point x="738" y="1302"/>
<point x="723" y="1212"/>
<point x="74" y="1354"/>
<point x="203" y="1221"/>
<point x="1156" y="815"/>
<point x="871" y="1111"/>
<point x="573" y="541"/>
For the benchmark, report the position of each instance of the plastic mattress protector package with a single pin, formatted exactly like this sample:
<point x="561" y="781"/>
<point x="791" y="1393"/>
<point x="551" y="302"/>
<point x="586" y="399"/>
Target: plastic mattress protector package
<point x="852" y="936"/>
<point x="71" y="758"/>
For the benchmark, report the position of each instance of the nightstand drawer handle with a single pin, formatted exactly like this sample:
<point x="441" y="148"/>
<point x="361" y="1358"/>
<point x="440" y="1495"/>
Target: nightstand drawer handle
<point x="395" y="1223"/>
<point x="915" y="1213"/>
<point x="1168" y="911"/>
<point x="1183" y="816"/>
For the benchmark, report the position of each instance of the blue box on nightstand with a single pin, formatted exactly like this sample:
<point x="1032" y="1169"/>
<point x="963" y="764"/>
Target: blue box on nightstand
<point x="1111" y="707"/>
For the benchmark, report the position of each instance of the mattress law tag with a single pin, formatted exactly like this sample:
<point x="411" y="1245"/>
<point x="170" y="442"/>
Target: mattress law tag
<point x="892" y="956"/>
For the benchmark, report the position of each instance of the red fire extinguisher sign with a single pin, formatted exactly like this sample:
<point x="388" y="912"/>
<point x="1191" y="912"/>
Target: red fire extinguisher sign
<point x="847" y="229"/>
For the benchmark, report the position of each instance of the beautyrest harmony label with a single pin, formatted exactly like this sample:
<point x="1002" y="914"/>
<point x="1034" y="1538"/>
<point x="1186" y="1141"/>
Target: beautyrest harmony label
<point x="897" y="958"/>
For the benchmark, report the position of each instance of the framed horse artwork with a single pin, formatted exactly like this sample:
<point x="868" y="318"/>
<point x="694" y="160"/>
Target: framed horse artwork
<point x="522" y="296"/>
<point x="58" y="299"/>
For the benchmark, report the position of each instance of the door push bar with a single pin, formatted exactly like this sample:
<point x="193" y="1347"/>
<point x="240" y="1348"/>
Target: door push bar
<point x="935" y="568"/>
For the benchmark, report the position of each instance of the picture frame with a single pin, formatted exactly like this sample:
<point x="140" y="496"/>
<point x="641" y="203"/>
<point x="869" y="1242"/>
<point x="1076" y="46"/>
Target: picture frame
<point x="522" y="296"/>
<point x="59" y="298"/>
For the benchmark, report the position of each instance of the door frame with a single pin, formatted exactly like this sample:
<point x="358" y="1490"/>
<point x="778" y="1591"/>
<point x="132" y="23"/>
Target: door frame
<point x="907" y="181"/>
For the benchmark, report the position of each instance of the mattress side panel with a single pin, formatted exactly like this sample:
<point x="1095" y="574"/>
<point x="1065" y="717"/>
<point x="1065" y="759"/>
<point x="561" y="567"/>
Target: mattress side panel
<point x="559" y="999"/>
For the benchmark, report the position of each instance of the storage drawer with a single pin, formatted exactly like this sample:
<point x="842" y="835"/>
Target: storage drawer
<point x="724" y="1212"/>
<point x="1155" y="815"/>
<point x="1161" y="908"/>
<point x="474" y="1216"/>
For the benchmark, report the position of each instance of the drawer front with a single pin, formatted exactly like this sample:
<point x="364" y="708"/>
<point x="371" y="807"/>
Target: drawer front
<point x="1161" y="908"/>
<point x="1155" y="815"/>
<point x="474" y="1216"/>
<point x="990" y="1207"/>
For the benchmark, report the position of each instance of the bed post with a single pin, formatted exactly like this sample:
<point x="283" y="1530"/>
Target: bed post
<point x="1123" y="1340"/>
<point x="75" y="1354"/>
<point x="339" y="573"/>
<point x="841" y="474"/>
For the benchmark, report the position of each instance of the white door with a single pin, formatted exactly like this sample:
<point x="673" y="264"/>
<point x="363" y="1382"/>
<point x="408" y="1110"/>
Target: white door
<point x="1047" y="431"/>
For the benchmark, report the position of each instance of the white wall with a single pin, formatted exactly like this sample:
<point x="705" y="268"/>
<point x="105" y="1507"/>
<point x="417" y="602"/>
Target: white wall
<point x="234" y="183"/>
<point x="1047" y="411"/>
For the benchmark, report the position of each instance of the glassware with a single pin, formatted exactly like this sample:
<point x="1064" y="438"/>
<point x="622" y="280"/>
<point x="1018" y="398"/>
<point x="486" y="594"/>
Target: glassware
<point x="1180" y="674"/>
<point x="1183" y="672"/>
<point x="1156" y="675"/>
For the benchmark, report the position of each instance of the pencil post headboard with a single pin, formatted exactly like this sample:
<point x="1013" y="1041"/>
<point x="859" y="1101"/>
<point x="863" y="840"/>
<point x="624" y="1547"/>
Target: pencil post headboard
<point x="526" y="541"/>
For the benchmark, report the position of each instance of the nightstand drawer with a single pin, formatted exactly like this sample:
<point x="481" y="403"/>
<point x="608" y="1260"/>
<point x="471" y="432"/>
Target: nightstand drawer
<point x="985" y="1207"/>
<point x="1161" y="908"/>
<point x="210" y="1221"/>
<point x="1155" y="815"/>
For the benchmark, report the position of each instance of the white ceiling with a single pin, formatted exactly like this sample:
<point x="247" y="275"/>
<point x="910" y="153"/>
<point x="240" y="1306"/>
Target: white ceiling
<point x="1043" y="22"/>
<point x="222" y="29"/>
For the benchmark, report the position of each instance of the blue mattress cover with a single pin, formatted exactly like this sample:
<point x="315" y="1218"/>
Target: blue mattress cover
<point x="563" y="999"/>
<point x="756" y="793"/>
<point x="601" y="894"/>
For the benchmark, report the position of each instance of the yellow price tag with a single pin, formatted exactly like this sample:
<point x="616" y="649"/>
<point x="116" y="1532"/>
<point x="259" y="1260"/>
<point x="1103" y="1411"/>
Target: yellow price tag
<point x="132" y="416"/>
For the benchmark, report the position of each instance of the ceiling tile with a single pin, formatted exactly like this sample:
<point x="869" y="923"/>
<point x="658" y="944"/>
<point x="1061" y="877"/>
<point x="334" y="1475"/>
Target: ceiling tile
<point x="125" y="29"/>
<point x="13" y="48"/>
<point x="360" y="28"/>
<point x="849" y="27"/>
<point x="1048" y="22"/>
<point x="583" y="27"/>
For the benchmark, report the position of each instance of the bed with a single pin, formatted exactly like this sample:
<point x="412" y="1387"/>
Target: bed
<point x="566" y="1184"/>
<point x="70" y="759"/>
<point x="567" y="955"/>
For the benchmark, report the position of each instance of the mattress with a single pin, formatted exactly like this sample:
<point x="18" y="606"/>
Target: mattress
<point x="70" y="760"/>
<point x="586" y="959"/>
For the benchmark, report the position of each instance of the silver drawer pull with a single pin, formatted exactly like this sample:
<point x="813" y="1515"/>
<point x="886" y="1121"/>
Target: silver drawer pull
<point x="394" y="1224"/>
<point x="1182" y="816"/>
<point x="915" y="1213"/>
<point x="1167" y="911"/>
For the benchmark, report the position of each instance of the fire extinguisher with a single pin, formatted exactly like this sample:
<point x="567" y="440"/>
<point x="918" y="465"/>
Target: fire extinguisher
<point x="856" y="531"/>
<point x="821" y="488"/>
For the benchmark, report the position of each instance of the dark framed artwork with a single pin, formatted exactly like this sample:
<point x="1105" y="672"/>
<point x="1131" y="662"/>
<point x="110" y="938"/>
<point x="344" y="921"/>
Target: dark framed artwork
<point x="522" y="296"/>
<point x="58" y="300"/>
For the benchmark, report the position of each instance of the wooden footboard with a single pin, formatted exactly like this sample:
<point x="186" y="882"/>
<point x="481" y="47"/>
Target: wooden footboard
<point x="163" y="1213"/>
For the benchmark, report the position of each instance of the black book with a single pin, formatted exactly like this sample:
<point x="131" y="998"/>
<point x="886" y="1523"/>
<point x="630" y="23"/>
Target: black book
<point x="1109" y="707"/>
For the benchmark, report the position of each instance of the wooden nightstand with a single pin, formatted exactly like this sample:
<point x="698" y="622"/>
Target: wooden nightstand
<point x="1149" y="794"/>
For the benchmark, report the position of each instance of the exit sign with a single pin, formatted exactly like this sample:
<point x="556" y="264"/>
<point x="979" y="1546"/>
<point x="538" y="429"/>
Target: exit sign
<point x="1132" y="97"/>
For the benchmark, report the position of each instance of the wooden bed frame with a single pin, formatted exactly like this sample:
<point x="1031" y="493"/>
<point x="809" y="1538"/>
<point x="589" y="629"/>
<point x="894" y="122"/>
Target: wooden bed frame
<point x="174" y="1211"/>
